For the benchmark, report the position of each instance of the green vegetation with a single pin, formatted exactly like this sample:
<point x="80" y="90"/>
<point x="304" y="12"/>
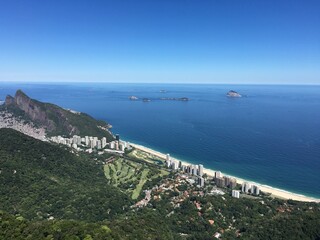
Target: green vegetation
<point x="147" y="157"/>
<point x="46" y="192"/>
<point x="137" y="190"/>
<point x="39" y="180"/>
<point x="18" y="228"/>
<point x="84" y="123"/>
<point x="131" y="175"/>
<point x="243" y="218"/>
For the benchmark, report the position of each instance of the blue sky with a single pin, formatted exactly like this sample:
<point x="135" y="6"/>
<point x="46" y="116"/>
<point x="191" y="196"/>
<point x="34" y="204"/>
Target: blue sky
<point x="214" y="41"/>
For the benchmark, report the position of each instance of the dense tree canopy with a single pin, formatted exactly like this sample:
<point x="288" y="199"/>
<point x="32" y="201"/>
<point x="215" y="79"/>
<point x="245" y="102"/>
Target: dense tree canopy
<point x="40" y="180"/>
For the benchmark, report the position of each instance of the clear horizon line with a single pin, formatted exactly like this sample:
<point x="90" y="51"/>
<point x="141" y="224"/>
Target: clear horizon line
<point x="176" y="83"/>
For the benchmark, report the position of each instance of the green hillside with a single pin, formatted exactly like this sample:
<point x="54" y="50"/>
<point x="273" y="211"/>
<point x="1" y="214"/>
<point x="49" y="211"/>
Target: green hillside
<point x="17" y="228"/>
<point x="40" y="180"/>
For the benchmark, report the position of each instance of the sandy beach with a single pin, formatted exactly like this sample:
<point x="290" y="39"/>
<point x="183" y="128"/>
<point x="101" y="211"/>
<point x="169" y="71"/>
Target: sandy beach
<point x="265" y="188"/>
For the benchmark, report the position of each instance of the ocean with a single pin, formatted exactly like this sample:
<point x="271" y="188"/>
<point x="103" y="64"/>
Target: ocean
<point x="270" y="136"/>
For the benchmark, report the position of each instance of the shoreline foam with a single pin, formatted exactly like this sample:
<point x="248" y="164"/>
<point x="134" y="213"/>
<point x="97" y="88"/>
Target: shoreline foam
<point x="276" y="192"/>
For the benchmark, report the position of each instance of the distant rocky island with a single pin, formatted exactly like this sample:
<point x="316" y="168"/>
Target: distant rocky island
<point x="233" y="94"/>
<point x="133" y="98"/>
<point x="176" y="99"/>
<point x="146" y="100"/>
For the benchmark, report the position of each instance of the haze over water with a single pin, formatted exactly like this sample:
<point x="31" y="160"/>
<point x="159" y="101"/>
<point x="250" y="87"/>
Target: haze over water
<point x="270" y="136"/>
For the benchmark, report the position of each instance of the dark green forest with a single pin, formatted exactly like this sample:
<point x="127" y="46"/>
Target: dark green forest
<point x="39" y="180"/>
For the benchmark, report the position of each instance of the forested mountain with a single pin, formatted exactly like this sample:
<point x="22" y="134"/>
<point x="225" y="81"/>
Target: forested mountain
<point x="40" y="180"/>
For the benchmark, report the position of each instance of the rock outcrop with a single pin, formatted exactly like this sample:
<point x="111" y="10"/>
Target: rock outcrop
<point x="9" y="100"/>
<point x="34" y="110"/>
<point x="234" y="94"/>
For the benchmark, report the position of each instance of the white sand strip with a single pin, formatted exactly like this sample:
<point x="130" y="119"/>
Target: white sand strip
<point x="265" y="188"/>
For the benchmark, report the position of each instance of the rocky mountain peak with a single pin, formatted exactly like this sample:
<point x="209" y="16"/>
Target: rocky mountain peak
<point x="9" y="100"/>
<point x="19" y="97"/>
<point x="20" y="93"/>
<point x="22" y="100"/>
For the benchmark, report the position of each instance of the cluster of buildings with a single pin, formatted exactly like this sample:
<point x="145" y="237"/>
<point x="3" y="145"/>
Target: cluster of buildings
<point x="224" y="181"/>
<point x="196" y="170"/>
<point x="230" y="182"/>
<point x="145" y="201"/>
<point x="246" y="188"/>
<point x="88" y="143"/>
<point x="220" y="180"/>
<point x="250" y="188"/>
<point x="172" y="185"/>
<point x="8" y="120"/>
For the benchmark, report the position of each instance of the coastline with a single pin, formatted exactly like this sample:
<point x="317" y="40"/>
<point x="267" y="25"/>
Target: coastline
<point x="275" y="192"/>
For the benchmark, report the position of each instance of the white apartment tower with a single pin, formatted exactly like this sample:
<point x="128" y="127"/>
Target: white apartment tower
<point x="86" y="140"/>
<point x="201" y="181"/>
<point x="99" y="144"/>
<point x="168" y="160"/>
<point x="200" y="170"/>
<point x="245" y="187"/>
<point x="255" y="190"/>
<point x="103" y="142"/>
<point x="235" y="193"/>
<point x="218" y="174"/>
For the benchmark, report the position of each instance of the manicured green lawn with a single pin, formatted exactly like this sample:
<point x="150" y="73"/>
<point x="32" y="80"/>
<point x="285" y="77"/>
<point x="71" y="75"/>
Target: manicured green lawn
<point x="126" y="174"/>
<point x="107" y="171"/>
<point x="143" y="179"/>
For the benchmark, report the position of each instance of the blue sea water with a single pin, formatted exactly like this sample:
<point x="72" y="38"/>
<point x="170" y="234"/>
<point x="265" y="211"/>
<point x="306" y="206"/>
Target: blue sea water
<point x="270" y="136"/>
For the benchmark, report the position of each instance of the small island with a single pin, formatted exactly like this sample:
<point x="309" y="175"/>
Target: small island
<point x="176" y="99"/>
<point x="133" y="98"/>
<point x="233" y="94"/>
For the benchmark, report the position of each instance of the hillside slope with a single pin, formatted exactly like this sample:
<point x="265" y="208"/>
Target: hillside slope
<point x="15" y="227"/>
<point x="40" y="181"/>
